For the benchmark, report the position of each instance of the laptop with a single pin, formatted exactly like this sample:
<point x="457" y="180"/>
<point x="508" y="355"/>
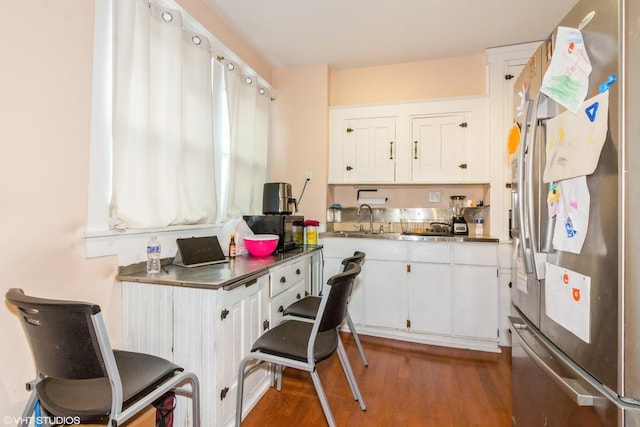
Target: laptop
<point x="199" y="251"/>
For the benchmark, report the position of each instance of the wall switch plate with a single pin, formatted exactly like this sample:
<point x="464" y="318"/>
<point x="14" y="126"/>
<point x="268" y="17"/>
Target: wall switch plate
<point x="434" y="197"/>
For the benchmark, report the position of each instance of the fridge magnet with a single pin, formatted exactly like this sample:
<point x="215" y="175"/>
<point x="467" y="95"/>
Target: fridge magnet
<point x="606" y="85"/>
<point x="574" y="141"/>
<point x="567" y="78"/>
<point x="553" y="199"/>
<point x="592" y="111"/>
<point x="572" y="215"/>
<point x="513" y="139"/>
<point x="568" y="300"/>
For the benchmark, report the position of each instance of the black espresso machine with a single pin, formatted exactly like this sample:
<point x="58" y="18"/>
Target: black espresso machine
<point x="277" y="206"/>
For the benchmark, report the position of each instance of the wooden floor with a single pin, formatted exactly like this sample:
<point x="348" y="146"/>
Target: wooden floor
<point x="405" y="384"/>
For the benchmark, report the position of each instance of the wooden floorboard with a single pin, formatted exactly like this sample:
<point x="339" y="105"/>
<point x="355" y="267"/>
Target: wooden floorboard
<point x="406" y="384"/>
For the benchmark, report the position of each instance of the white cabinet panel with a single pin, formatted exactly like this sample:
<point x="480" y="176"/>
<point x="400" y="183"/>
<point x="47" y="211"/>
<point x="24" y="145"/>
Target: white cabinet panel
<point x="440" y="150"/>
<point x="386" y="294"/>
<point x="365" y="150"/>
<point x="430" y="298"/>
<point x="476" y="301"/>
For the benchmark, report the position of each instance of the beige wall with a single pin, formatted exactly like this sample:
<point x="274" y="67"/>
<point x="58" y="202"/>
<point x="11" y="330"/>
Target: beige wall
<point x="442" y="78"/>
<point x="299" y="134"/>
<point x="45" y="109"/>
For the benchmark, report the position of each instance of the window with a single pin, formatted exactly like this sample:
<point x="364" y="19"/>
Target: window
<point x="179" y="132"/>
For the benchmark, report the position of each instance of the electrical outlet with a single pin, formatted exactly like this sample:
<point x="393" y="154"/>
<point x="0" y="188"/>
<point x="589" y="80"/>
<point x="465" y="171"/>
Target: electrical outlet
<point x="308" y="176"/>
<point x="434" y="197"/>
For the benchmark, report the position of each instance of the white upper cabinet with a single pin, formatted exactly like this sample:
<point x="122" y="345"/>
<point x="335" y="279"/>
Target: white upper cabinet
<point x="368" y="149"/>
<point x="440" y="141"/>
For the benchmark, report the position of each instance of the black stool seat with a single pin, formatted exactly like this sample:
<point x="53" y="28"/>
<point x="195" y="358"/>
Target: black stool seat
<point x="306" y="308"/>
<point x="90" y="399"/>
<point x="289" y="339"/>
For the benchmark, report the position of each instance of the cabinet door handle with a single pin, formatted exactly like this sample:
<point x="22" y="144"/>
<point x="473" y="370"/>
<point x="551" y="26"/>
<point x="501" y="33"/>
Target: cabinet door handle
<point x="390" y="150"/>
<point x="223" y="393"/>
<point x="462" y="165"/>
<point x="415" y="150"/>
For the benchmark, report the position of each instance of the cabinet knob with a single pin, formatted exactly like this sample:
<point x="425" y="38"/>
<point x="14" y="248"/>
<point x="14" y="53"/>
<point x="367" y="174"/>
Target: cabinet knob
<point x="298" y="272"/>
<point x="349" y="168"/>
<point x="283" y="279"/>
<point x="298" y="296"/>
<point x="462" y="165"/>
<point x="280" y="309"/>
<point x="223" y="393"/>
<point x="463" y="124"/>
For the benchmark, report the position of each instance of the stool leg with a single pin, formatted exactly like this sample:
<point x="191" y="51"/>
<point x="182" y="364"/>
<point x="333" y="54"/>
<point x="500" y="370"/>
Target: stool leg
<point x="351" y="379"/>
<point x="323" y="398"/>
<point x="356" y="338"/>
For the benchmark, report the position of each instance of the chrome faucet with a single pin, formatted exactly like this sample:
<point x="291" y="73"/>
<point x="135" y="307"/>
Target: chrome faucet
<point x="370" y="215"/>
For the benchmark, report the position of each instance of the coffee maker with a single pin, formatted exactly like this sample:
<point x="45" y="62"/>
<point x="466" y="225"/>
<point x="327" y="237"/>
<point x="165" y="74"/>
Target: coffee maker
<point x="459" y="225"/>
<point x="277" y="199"/>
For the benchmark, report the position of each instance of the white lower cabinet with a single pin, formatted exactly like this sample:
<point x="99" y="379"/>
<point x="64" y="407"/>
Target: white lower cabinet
<point x="206" y="332"/>
<point x="385" y="299"/>
<point x="433" y="292"/>
<point x="476" y="290"/>
<point x="209" y="331"/>
<point x="242" y="315"/>
<point x="430" y="298"/>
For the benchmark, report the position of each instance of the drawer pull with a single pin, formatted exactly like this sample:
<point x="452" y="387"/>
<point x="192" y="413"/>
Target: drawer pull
<point x="298" y="272"/>
<point x="283" y="279"/>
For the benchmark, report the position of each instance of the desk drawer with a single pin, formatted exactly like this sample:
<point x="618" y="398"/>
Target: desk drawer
<point x="285" y="277"/>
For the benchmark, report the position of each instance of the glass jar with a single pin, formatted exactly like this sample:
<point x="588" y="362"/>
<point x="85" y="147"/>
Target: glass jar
<point x="311" y="231"/>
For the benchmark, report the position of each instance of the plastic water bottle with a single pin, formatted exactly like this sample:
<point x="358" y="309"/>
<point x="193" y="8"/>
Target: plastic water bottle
<point x="479" y="223"/>
<point x="153" y="255"/>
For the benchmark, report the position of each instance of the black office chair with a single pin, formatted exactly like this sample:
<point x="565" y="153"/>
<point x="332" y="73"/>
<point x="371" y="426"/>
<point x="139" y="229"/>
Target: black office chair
<point x="307" y="307"/>
<point x="301" y="345"/>
<point x="79" y="376"/>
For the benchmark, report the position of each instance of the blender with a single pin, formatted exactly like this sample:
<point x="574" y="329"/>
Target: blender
<point x="459" y="225"/>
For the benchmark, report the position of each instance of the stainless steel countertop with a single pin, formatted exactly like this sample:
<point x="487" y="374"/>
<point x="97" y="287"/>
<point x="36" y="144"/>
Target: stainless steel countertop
<point x="408" y="237"/>
<point x="228" y="275"/>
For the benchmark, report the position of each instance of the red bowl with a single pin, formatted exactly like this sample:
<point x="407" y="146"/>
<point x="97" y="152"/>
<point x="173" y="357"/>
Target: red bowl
<point x="261" y="244"/>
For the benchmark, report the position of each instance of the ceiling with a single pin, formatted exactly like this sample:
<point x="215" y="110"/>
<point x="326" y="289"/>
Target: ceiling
<point x="363" y="33"/>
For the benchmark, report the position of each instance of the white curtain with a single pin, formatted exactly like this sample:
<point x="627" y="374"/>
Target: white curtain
<point x="163" y="153"/>
<point x="248" y="129"/>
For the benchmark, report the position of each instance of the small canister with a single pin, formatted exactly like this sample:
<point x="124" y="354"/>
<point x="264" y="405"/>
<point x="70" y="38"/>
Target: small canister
<point x="311" y="231"/>
<point x="298" y="232"/>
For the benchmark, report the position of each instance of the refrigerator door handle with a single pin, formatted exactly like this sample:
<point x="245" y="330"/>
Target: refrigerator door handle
<point x="569" y="386"/>
<point x="538" y="258"/>
<point x="521" y="195"/>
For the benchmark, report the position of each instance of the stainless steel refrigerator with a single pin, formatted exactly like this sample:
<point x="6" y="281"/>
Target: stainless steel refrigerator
<point x="579" y="365"/>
